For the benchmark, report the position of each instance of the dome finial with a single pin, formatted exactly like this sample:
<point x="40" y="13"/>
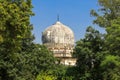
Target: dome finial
<point x="58" y="17"/>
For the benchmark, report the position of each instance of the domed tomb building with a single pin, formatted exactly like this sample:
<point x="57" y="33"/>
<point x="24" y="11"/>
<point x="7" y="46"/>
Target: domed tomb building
<point x="60" y="39"/>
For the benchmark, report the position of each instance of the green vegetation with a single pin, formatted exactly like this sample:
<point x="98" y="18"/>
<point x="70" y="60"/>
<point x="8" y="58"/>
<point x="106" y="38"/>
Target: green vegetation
<point x="20" y="58"/>
<point x="89" y="53"/>
<point x="98" y="55"/>
<point x="46" y="76"/>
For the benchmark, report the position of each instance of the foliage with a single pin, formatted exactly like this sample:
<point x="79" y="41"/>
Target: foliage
<point x="60" y="71"/>
<point x="98" y="57"/>
<point x="20" y="58"/>
<point x="14" y="23"/>
<point x="111" y="67"/>
<point x="72" y="73"/>
<point x="64" y="72"/>
<point x="109" y="10"/>
<point x="14" y="26"/>
<point x="27" y="64"/>
<point x="36" y="58"/>
<point x="88" y="53"/>
<point x="109" y="18"/>
<point x="47" y="75"/>
<point x="113" y="37"/>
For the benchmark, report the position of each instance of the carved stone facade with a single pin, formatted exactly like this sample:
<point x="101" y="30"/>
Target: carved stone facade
<point x="60" y="39"/>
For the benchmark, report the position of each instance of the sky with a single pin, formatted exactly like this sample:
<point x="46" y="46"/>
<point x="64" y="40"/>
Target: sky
<point x="73" y="13"/>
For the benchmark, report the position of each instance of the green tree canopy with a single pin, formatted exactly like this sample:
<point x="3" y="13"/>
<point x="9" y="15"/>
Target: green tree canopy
<point x="35" y="58"/>
<point x="14" y="26"/>
<point x="46" y="75"/>
<point x="113" y="37"/>
<point x="20" y="58"/>
<point x="88" y="53"/>
<point x="111" y="67"/>
<point x="14" y="22"/>
<point x="109" y="10"/>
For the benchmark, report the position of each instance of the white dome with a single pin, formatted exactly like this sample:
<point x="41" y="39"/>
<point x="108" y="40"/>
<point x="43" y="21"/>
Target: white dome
<point x="58" y="34"/>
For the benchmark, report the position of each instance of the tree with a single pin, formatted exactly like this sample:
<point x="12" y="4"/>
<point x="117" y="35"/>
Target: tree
<point x="109" y="18"/>
<point x="14" y="26"/>
<point x="110" y="67"/>
<point x="47" y="75"/>
<point x="71" y="73"/>
<point x="36" y="58"/>
<point x="88" y="53"/>
<point x="113" y="37"/>
<point x="20" y="58"/>
<point x="109" y="10"/>
<point x="27" y="64"/>
<point x="14" y="23"/>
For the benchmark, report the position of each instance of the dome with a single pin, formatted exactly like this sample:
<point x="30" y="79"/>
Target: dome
<point x="59" y="35"/>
